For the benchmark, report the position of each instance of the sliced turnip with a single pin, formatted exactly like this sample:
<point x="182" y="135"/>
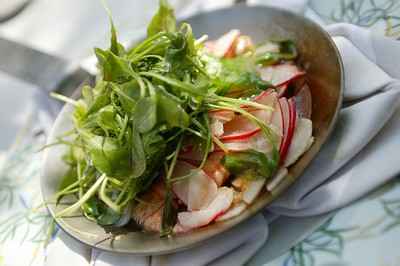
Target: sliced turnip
<point x="282" y="74"/>
<point x="303" y="100"/>
<point x="234" y="211"/>
<point x="195" y="219"/>
<point x="302" y="140"/>
<point x="276" y="180"/>
<point x="197" y="190"/>
<point x="225" y="43"/>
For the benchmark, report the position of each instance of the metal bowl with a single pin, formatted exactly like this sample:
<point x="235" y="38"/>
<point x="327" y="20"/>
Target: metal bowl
<point x="318" y="55"/>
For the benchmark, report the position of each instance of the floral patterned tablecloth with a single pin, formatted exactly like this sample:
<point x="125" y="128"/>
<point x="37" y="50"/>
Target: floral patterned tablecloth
<point x="365" y="233"/>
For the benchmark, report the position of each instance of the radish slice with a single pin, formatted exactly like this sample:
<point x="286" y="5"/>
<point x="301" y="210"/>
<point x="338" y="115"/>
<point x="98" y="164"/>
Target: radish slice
<point x="302" y="140"/>
<point x="225" y="43"/>
<point x="282" y="74"/>
<point x="252" y="190"/>
<point x="243" y="44"/>
<point x="303" y="100"/>
<point x="289" y="124"/>
<point x="196" y="191"/>
<point x="232" y="212"/>
<point x="195" y="219"/>
<point x="241" y="127"/>
<point x="214" y="169"/>
<point x="276" y="180"/>
<point x="257" y="142"/>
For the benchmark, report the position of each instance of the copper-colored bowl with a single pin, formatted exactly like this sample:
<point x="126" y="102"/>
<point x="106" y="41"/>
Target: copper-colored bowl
<point x="320" y="58"/>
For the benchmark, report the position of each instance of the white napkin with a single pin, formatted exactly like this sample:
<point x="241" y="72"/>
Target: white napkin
<point x="355" y="160"/>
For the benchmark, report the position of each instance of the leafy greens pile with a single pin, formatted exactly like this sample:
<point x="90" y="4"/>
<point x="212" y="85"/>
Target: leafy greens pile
<point x="129" y="127"/>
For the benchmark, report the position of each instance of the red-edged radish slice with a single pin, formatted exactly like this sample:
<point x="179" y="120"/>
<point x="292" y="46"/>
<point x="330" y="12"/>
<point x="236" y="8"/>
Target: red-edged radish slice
<point x="225" y="43"/>
<point x="302" y="140"/>
<point x="303" y="100"/>
<point x="196" y="191"/>
<point x="214" y="169"/>
<point x="241" y="127"/>
<point x="234" y="211"/>
<point x="243" y="44"/>
<point x="282" y="74"/>
<point x="289" y="124"/>
<point x="276" y="180"/>
<point x="238" y="128"/>
<point x="195" y="219"/>
<point x="252" y="190"/>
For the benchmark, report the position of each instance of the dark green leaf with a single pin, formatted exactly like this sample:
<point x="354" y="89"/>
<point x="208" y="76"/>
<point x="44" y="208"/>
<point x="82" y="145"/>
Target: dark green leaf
<point x="250" y="164"/>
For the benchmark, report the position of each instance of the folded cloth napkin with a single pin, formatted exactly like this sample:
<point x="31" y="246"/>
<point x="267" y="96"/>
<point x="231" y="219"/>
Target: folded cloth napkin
<point x="360" y="156"/>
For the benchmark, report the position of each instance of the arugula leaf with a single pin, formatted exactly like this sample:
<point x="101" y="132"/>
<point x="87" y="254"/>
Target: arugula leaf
<point x="170" y="110"/>
<point x="114" y="68"/>
<point x="105" y="118"/>
<point x="145" y="114"/>
<point x="138" y="160"/>
<point x="250" y="164"/>
<point x="238" y="76"/>
<point x="108" y="155"/>
<point x="163" y="20"/>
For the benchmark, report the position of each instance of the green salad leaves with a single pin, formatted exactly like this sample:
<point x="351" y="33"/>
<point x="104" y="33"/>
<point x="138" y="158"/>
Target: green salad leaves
<point x="128" y="128"/>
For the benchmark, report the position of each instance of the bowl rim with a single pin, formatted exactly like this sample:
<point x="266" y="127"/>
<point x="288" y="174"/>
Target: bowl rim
<point x="329" y="131"/>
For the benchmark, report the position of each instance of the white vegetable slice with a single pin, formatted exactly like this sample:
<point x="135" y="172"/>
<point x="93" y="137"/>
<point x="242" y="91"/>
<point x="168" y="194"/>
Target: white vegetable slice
<point x="194" y="219"/>
<point x="196" y="191"/>
<point x="280" y="74"/>
<point x="253" y="189"/>
<point x="279" y="176"/>
<point x="225" y="43"/>
<point x="234" y="211"/>
<point x="302" y="140"/>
